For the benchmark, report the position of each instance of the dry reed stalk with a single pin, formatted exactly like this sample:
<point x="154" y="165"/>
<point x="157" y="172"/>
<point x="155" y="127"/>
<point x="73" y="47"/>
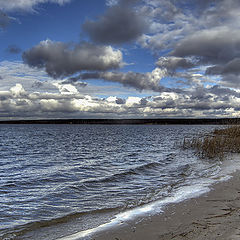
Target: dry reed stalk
<point x="219" y="143"/>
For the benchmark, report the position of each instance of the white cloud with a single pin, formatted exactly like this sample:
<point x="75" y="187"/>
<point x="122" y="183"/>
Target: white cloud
<point x="16" y="72"/>
<point x="111" y="2"/>
<point x="17" y="90"/>
<point x="66" y="88"/>
<point x="35" y="80"/>
<point x="131" y="101"/>
<point x="26" y="5"/>
<point x="212" y="101"/>
<point x="111" y="99"/>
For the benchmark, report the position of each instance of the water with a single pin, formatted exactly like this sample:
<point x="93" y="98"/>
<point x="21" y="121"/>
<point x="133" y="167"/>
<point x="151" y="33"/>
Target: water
<point x="62" y="179"/>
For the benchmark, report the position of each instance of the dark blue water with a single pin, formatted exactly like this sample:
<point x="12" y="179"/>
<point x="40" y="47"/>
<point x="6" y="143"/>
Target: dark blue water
<point x="51" y="174"/>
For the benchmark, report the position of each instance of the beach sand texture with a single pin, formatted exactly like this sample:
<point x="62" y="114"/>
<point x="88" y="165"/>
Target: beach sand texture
<point x="213" y="216"/>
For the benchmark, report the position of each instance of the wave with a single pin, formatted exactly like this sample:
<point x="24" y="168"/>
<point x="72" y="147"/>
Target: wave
<point x="18" y="231"/>
<point x="124" y="174"/>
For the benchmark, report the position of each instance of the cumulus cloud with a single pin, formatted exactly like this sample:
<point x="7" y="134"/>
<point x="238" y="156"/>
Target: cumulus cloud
<point x="30" y="78"/>
<point x="139" y="81"/>
<point x="34" y="79"/>
<point x="172" y="63"/>
<point x="171" y="21"/>
<point x="119" y="24"/>
<point x="215" y="49"/>
<point x="230" y="80"/>
<point x="44" y="101"/>
<point x="223" y="92"/>
<point x="198" y="44"/>
<point x="210" y="45"/>
<point x="232" y="67"/>
<point x="200" y="102"/>
<point x="196" y="34"/>
<point x="17" y="90"/>
<point x="61" y="60"/>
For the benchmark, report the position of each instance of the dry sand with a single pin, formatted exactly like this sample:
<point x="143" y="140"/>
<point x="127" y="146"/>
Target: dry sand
<point x="213" y="216"/>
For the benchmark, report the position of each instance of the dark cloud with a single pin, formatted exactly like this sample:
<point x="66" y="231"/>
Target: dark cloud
<point x="189" y="34"/>
<point x="119" y="24"/>
<point x="61" y="60"/>
<point x="214" y="70"/>
<point x="221" y="91"/>
<point x="120" y="101"/>
<point x="139" y="81"/>
<point x="218" y="47"/>
<point x="210" y="46"/>
<point x="4" y="19"/>
<point x="13" y="49"/>
<point x="199" y="94"/>
<point x="230" y="80"/>
<point x="84" y="76"/>
<point x="232" y="67"/>
<point x="37" y="84"/>
<point x="204" y="30"/>
<point x="172" y="63"/>
<point x="193" y="34"/>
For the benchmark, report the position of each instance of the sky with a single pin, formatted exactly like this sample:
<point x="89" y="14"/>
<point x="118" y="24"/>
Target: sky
<point x="119" y="59"/>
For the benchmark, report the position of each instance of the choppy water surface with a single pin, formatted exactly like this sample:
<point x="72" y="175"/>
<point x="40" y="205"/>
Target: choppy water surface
<point x="84" y="174"/>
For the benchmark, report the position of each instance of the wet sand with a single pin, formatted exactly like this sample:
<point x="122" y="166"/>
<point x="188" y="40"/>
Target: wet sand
<point x="214" y="215"/>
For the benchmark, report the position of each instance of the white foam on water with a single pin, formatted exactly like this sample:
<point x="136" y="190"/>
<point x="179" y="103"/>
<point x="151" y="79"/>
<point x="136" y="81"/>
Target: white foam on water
<point x="231" y="164"/>
<point x="197" y="188"/>
<point x="155" y="207"/>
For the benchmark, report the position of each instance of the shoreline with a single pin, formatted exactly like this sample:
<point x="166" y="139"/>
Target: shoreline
<point x="213" y="215"/>
<point x="209" y="215"/>
<point x="197" y="214"/>
<point x="129" y="121"/>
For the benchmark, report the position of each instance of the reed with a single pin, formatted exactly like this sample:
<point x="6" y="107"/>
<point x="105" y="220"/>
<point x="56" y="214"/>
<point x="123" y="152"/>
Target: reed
<point x="216" y="144"/>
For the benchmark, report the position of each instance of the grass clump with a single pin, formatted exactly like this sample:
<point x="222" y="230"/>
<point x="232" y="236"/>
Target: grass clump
<point x="216" y="144"/>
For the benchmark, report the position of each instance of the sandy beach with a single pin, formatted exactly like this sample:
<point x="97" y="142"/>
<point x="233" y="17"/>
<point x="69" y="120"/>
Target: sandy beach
<point x="214" y="215"/>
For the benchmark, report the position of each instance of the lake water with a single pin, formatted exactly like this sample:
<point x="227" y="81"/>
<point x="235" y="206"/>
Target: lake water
<point x="59" y="180"/>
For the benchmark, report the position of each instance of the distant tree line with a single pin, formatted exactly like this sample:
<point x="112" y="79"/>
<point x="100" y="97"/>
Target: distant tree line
<point x="160" y="121"/>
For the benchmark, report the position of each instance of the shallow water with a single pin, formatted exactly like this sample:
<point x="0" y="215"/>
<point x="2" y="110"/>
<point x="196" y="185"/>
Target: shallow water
<point x="86" y="174"/>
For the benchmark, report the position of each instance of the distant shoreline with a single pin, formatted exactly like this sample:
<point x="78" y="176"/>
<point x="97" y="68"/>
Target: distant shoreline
<point x="160" y="121"/>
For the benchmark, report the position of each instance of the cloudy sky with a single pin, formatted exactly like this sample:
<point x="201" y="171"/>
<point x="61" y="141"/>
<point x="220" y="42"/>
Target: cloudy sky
<point x="119" y="58"/>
